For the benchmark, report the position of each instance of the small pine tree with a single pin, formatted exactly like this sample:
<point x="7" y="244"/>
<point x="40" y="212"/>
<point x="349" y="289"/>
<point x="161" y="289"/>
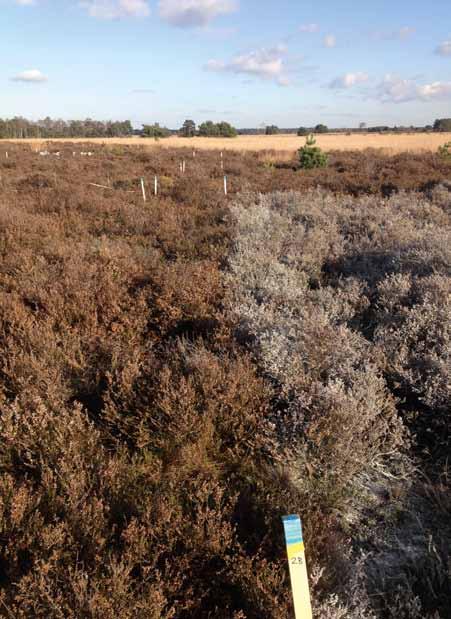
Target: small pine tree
<point x="445" y="151"/>
<point x="311" y="156"/>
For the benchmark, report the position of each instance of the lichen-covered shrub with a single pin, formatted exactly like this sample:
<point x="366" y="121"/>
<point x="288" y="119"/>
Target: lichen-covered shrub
<point x="344" y="305"/>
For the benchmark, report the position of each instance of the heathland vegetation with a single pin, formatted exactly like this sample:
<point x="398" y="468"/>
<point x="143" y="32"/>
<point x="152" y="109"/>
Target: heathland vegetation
<point x="177" y="374"/>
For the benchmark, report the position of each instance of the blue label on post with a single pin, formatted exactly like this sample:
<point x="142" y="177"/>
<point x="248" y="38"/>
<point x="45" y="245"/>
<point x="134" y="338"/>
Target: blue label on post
<point x="293" y="529"/>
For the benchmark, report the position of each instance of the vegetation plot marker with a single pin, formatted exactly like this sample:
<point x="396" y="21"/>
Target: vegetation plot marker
<point x="298" y="569"/>
<point x="143" y="189"/>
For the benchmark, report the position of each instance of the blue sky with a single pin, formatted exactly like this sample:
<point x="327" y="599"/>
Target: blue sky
<point x="249" y="62"/>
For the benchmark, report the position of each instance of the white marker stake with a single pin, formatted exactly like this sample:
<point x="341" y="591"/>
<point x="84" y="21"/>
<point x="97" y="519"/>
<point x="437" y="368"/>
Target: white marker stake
<point x="6" y="154"/>
<point x="184" y="166"/>
<point x="156" y="186"/>
<point x="143" y="189"/>
<point x="194" y="154"/>
<point x="298" y="569"/>
<point x="225" y="185"/>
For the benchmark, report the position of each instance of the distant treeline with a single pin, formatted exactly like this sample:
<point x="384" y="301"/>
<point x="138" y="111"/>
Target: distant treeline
<point x="48" y="128"/>
<point x="272" y="129"/>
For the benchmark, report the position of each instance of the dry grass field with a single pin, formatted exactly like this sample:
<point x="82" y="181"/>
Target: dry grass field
<point x="389" y="143"/>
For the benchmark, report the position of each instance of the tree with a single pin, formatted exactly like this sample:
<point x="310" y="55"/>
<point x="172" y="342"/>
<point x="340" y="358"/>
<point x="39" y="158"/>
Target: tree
<point x="155" y="131"/>
<point x="311" y="156"/>
<point x="226" y="130"/>
<point x="302" y="131"/>
<point x="442" y="124"/>
<point x="321" y="129"/>
<point x="362" y="126"/>
<point x="223" y="129"/>
<point x="188" y="129"/>
<point x="272" y="130"/>
<point x="208" y="129"/>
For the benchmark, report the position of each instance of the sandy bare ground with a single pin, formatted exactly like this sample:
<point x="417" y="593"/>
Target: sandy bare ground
<point x="391" y="143"/>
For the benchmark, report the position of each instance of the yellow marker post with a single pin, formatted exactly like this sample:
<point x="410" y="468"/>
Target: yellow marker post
<point x="298" y="568"/>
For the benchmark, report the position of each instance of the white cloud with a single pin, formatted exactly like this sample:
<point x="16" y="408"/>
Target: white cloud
<point x="116" y="9"/>
<point x="348" y="80"/>
<point x="25" y="2"/>
<point x="405" y="32"/>
<point x="283" y="81"/>
<point x="194" y="13"/>
<point x="311" y="28"/>
<point x="401" y="34"/>
<point x="330" y="41"/>
<point x="436" y="90"/>
<point x="394" y="89"/>
<point x="263" y="63"/>
<point x="31" y="75"/>
<point x="444" y="49"/>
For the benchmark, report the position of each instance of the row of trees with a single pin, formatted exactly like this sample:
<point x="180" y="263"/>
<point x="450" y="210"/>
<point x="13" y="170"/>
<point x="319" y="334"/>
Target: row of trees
<point x="189" y="130"/>
<point x="19" y="127"/>
<point x="155" y="131"/>
<point x="441" y="124"/>
<point x="208" y="129"/>
<point x="274" y="130"/>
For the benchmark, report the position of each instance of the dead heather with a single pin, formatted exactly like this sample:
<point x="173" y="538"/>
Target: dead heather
<point x="177" y="375"/>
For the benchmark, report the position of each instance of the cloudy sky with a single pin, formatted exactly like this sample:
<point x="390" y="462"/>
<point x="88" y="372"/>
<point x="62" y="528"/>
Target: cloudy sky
<point x="250" y="62"/>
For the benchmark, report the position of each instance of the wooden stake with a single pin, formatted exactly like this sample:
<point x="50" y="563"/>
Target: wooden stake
<point x="96" y="185"/>
<point x="156" y="185"/>
<point x="143" y="189"/>
<point x="298" y="569"/>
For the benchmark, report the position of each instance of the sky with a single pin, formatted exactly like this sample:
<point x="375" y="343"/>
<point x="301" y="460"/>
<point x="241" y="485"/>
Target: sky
<point x="250" y="62"/>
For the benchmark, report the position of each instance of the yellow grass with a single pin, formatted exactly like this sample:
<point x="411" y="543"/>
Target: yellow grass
<point x="390" y="143"/>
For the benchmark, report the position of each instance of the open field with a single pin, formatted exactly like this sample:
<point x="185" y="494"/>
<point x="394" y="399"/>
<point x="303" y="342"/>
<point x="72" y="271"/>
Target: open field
<point x="391" y="143"/>
<point x="178" y="374"/>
